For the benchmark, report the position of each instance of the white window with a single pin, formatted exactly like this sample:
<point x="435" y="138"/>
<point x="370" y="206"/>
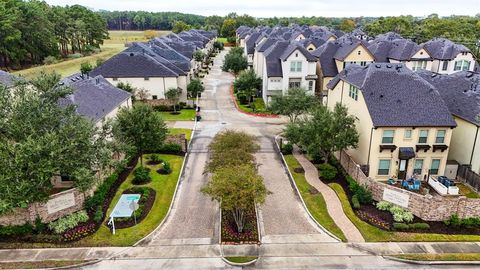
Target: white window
<point x="154" y="97"/>
<point x="408" y="134"/>
<point x="418" y="166"/>
<point x="363" y="63"/>
<point x="296" y="66"/>
<point x="435" y="166"/>
<point x="388" y="136"/>
<point x="310" y="85"/>
<point x="294" y="83"/>
<point x="423" y="136"/>
<point x="353" y="92"/>
<point x="462" y="65"/>
<point x="384" y="167"/>
<point x="440" y="136"/>
<point x="419" y="65"/>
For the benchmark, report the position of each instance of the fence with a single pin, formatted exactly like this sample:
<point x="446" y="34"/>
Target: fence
<point x="468" y="176"/>
<point x="426" y="207"/>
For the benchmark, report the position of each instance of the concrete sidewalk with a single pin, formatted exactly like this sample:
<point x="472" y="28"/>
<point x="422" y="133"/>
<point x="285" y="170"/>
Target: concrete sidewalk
<point x="334" y="206"/>
<point x="216" y="251"/>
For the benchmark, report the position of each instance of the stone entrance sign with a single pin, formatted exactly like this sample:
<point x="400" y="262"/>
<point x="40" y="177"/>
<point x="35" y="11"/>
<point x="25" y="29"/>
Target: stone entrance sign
<point x="396" y="197"/>
<point x="60" y="203"/>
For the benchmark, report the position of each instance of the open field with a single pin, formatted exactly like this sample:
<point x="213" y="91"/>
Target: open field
<point x="112" y="46"/>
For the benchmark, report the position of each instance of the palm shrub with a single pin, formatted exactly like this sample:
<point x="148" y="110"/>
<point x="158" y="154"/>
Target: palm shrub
<point x="141" y="176"/>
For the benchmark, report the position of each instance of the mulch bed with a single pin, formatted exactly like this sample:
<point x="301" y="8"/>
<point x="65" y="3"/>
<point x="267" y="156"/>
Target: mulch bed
<point x="229" y="229"/>
<point x="148" y="204"/>
<point x="384" y="219"/>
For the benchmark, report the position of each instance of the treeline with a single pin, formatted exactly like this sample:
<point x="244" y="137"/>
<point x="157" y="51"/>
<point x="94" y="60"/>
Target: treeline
<point x="142" y="20"/>
<point x="31" y="31"/>
<point x="460" y="29"/>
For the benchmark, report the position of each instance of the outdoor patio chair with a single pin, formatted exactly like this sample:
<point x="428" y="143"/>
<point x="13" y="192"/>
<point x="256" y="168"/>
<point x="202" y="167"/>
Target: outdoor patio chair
<point x="391" y="181"/>
<point x="416" y="185"/>
<point x="405" y="184"/>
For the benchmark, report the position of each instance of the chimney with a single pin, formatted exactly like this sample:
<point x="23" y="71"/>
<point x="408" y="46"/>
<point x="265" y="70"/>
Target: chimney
<point x="97" y="80"/>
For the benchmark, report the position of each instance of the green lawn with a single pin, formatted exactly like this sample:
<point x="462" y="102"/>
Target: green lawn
<point x="315" y="202"/>
<point x="374" y="234"/>
<point x="222" y="39"/>
<point x="257" y="103"/>
<point x="186" y="131"/>
<point x="467" y="191"/>
<point x="440" y="257"/>
<point x="185" y="115"/>
<point x="164" y="185"/>
<point x="241" y="259"/>
<point x="39" y="264"/>
<point x="122" y="37"/>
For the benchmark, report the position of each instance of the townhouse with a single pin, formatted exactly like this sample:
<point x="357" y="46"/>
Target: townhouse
<point x="160" y="64"/>
<point x="461" y="93"/>
<point x="449" y="57"/>
<point x="8" y="80"/>
<point x="405" y="126"/>
<point x="287" y="65"/>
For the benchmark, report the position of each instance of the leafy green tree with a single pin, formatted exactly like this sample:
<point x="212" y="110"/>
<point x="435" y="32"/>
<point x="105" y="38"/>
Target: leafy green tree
<point x="86" y="67"/>
<point x="179" y="26"/>
<point x="218" y="45"/>
<point x="199" y="56"/>
<point x="40" y="140"/>
<point x="173" y="95"/>
<point x="140" y="127"/>
<point x="247" y="83"/>
<point x="324" y="131"/>
<point x="229" y="27"/>
<point x="294" y="104"/>
<point x="234" y="62"/>
<point x="347" y="25"/>
<point x="404" y="25"/>
<point x="237" y="189"/>
<point x="195" y="88"/>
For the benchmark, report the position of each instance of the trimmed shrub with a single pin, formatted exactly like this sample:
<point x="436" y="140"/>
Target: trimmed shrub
<point x="49" y="60"/>
<point x="75" y="55"/>
<point x="155" y="158"/>
<point x="24" y="229"/>
<point x="166" y="169"/>
<point x="68" y="222"/>
<point x="327" y="171"/>
<point x="231" y="39"/>
<point x="455" y="221"/>
<point x="40" y="227"/>
<point x="419" y="226"/>
<point x="384" y="205"/>
<point x="355" y="202"/>
<point x="287" y="149"/>
<point x="400" y="226"/>
<point x="98" y="197"/>
<point x="170" y="148"/>
<point x="243" y="99"/>
<point x="364" y="196"/>
<point x="98" y="216"/>
<point x="141" y="176"/>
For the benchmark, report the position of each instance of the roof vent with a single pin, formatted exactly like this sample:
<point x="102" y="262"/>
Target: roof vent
<point x="399" y="101"/>
<point x="434" y="75"/>
<point x="378" y="66"/>
<point x="464" y="91"/>
<point x="469" y="74"/>
<point x="381" y="96"/>
<point x="131" y="54"/>
<point x="389" y="66"/>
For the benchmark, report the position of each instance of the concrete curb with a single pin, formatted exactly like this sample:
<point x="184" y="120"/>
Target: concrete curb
<point x="252" y="262"/>
<point x="431" y="262"/>
<point x="261" y="115"/>
<point x="74" y="266"/>
<point x="292" y="182"/>
<point x="174" y="197"/>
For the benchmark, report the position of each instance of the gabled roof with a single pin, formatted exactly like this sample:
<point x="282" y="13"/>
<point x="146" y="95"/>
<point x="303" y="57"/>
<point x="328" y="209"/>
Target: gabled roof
<point x="250" y="42"/>
<point x="266" y="44"/>
<point x="94" y="97"/>
<point x="313" y="41"/>
<point x="272" y="58"/>
<point x="347" y="44"/>
<point x="294" y="46"/>
<point x="325" y="55"/>
<point x="396" y="96"/>
<point x="388" y="36"/>
<point x="397" y="49"/>
<point x="7" y="79"/>
<point x="444" y="49"/>
<point x="146" y="48"/>
<point x="460" y="91"/>
<point x="131" y="64"/>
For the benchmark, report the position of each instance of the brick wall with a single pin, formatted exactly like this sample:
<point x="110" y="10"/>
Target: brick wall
<point x="426" y="207"/>
<point x="20" y="216"/>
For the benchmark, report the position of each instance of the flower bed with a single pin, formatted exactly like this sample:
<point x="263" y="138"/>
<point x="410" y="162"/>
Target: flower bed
<point x="250" y="230"/>
<point x="259" y="114"/>
<point x="145" y="205"/>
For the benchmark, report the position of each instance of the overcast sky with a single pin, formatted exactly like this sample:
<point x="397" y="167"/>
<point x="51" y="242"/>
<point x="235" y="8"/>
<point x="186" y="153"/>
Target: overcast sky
<point x="293" y="8"/>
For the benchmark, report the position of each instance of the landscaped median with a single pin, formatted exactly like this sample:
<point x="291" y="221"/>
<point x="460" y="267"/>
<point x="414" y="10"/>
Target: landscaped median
<point x="260" y="110"/>
<point x="428" y="257"/>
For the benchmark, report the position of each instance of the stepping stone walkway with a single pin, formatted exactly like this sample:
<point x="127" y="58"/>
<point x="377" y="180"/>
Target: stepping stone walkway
<point x="334" y="206"/>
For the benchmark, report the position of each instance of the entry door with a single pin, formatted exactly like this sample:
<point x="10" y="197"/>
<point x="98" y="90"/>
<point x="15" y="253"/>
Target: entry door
<point x="402" y="169"/>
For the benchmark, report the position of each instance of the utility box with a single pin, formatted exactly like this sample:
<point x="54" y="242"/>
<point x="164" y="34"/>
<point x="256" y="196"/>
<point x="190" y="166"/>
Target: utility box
<point x="451" y="169"/>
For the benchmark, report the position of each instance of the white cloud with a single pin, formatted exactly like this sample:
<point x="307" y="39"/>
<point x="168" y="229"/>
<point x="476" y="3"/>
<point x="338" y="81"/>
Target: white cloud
<point x="293" y="8"/>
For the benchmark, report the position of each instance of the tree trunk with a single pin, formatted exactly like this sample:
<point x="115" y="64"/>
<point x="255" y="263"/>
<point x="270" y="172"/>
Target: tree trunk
<point x="239" y="217"/>
<point x="141" y="158"/>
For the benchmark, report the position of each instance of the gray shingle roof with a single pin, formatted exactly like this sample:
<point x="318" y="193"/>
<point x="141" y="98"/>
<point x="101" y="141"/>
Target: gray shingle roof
<point x="396" y="96"/>
<point x="388" y="36"/>
<point x="460" y="91"/>
<point x="132" y="64"/>
<point x="250" y="42"/>
<point x="266" y="44"/>
<point x="94" y="97"/>
<point x="444" y="49"/>
<point x="397" y="49"/>
<point x="138" y="47"/>
<point x="293" y="46"/>
<point x="7" y="79"/>
<point x="325" y="55"/>
<point x="347" y="44"/>
<point x="272" y="58"/>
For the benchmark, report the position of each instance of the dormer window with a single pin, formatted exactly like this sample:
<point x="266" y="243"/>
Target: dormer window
<point x="462" y="65"/>
<point x="296" y="55"/>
